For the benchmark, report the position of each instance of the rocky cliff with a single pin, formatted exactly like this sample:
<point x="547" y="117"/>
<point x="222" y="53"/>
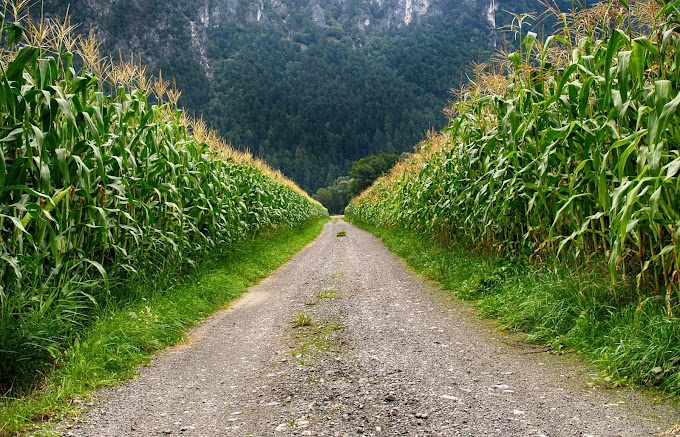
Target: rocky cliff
<point x="159" y="30"/>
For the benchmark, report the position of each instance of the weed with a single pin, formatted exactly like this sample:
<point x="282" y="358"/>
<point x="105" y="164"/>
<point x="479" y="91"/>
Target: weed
<point x="302" y="320"/>
<point x="327" y="294"/>
<point x="341" y="234"/>
<point x="316" y="339"/>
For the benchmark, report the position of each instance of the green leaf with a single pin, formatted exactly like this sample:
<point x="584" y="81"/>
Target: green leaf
<point x="14" y="263"/>
<point x="14" y="32"/>
<point x="15" y="69"/>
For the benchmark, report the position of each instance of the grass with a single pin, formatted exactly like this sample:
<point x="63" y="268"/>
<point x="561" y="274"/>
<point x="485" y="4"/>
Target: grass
<point x="566" y="307"/>
<point x="341" y="234"/>
<point x="315" y="338"/>
<point x="302" y="320"/>
<point x="109" y="351"/>
<point x="328" y="294"/>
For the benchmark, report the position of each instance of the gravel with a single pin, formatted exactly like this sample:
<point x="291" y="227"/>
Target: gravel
<point x="386" y="354"/>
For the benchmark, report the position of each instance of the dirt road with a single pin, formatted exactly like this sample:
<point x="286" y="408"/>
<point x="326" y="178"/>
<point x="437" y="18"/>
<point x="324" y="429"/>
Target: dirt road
<point x="382" y="353"/>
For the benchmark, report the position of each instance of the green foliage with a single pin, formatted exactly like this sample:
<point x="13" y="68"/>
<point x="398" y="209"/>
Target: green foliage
<point x="100" y="192"/>
<point x="573" y="157"/>
<point x="368" y="169"/>
<point x="313" y="112"/>
<point x="335" y="197"/>
<point x="569" y="309"/>
<point x="362" y="174"/>
<point x="121" y="339"/>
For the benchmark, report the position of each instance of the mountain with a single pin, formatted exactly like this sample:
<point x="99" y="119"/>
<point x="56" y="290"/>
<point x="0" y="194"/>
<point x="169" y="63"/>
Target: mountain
<point x="310" y="86"/>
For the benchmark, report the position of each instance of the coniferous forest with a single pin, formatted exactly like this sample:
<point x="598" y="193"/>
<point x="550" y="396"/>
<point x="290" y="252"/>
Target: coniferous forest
<point x="309" y="92"/>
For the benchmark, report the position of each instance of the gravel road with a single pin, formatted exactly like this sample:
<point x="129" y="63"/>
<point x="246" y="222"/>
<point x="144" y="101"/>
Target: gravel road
<point x="386" y="354"/>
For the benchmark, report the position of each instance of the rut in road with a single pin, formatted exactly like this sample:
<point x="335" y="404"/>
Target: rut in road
<point x="386" y="354"/>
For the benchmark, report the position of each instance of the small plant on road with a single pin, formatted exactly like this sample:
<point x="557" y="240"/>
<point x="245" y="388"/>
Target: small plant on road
<point x="302" y="320"/>
<point x="328" y="294"/>
<point x="341" y="234"/>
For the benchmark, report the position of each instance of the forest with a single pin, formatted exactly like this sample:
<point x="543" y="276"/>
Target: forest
<point x="309" y="98"/>
<point x="312" y="110"/>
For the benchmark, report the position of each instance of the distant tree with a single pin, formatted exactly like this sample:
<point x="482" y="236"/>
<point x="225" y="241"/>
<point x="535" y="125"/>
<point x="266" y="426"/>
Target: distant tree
<point x="368" y="169"/>
<point x="335" y="197"/>
<point x="363" y="172"/>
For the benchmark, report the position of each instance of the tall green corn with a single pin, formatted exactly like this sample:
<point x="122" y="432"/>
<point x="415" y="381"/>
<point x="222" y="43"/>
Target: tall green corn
<point x="573" y="155"/>
<point x="98" y="190"/>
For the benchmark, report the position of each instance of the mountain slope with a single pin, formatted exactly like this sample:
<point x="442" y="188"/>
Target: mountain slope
<point x="310" y="86"/>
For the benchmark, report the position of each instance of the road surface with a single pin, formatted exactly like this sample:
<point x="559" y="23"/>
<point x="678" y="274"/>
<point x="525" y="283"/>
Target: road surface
<point x="344" y="340"/>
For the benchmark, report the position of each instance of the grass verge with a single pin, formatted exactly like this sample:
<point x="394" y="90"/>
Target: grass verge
<point x="110" y="350"/>
<point x="569" y="308"/>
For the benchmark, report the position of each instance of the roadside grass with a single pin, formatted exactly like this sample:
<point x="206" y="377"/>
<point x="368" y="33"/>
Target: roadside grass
<point x="108" y="352"/>
<point x="570" y="308"/>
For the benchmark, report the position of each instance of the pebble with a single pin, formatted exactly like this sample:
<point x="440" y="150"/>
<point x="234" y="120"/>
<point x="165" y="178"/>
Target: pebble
<point x="390" y="398"/>
<point x="301" y="423"/>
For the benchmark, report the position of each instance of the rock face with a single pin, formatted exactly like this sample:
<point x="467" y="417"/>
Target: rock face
<point x="363" y="14"/>
<point x="158" y="30"/>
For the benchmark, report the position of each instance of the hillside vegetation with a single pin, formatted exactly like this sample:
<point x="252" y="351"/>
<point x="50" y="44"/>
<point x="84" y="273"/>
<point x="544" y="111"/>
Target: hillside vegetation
<point x="104" y="197"/>
<point x="566" y="150"/>
<point x="307" y="96"/>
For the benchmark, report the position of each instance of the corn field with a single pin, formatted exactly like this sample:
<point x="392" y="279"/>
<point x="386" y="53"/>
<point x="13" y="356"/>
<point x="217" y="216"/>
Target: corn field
<point x="100" y="189"/>
<point x="567" y="149"/>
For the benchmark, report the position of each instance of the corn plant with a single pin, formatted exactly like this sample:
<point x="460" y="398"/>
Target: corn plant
<point x="572" y="155"/>
<point x="100" y="190"/>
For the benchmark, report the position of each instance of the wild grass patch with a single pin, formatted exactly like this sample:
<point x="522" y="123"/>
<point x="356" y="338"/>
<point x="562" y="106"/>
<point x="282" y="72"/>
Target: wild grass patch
<point x="327" y="294"/>
<point x="302" y="320"/>
<point x="315" y="339"/>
